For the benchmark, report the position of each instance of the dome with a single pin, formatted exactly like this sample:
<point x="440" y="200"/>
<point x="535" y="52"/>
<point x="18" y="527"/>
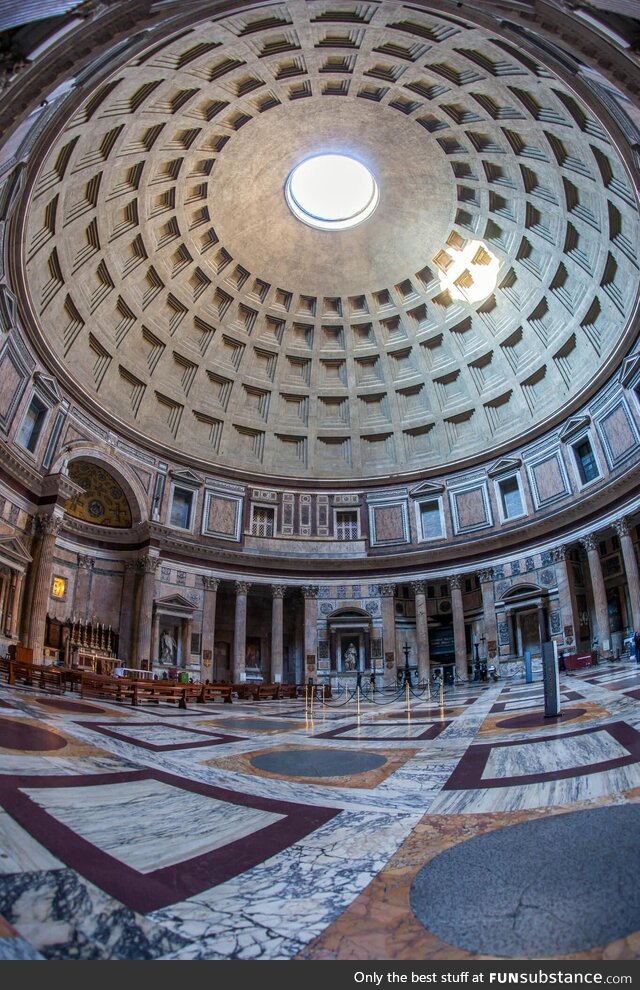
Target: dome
<point x="489" y="293"/>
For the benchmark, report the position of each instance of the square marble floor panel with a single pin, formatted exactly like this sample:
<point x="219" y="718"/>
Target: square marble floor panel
<point x="195" y="835"/>
<point x="161" y="737"/>
<point x="505" y="764"/>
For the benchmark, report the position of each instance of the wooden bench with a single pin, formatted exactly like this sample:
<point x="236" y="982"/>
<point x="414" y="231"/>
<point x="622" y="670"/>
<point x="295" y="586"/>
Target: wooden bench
<point x="288" y="691"/>
<point x="33" y="674"/>
<point x="109" y="688"/>
<point x="155" y="691"/>
<point x="216" y="692"/>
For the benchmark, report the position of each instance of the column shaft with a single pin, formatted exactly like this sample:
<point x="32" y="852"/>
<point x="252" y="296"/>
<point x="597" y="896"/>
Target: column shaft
<point x="127" y="612"/>
<point x="8" y="603"/>
<point x="310" y="593"/>
<point x="16" y="606"/>
<point x="489" y="612"/>
<point x="50" y="527"/>
<point x="422" y="631"/>
<point x="148" y="566"/>
<point x="631" y="570"/>
<point x="388" y="592"/>
<point x="566" y="598"/>
<point x="277" y="626"/>
<point x="459" y="639"/>
<point x="209" y="626"/>
<point x="590" y="544"/>
<point x="240" y="633"/>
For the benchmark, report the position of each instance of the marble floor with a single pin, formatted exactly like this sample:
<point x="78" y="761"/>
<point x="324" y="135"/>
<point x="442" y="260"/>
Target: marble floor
<point x="475" y="828"/>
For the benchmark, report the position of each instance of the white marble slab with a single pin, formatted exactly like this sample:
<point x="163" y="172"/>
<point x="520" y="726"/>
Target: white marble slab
<point x="19" y="852"/>
<point x="178" y="824"/>
<point x="165" y="734"/>
<point x="551" y="755"/>
<point x="273" y="910"/>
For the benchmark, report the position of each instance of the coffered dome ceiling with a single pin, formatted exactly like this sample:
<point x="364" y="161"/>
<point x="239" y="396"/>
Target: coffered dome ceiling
<point x="493" y="284"/>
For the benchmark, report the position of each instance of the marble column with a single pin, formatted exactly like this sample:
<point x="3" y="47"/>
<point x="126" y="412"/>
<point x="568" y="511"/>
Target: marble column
<point x="147" y="566"/>
<point x="621" y="527"/>
<point x="8" y="597"/>
<point x="277" y="627"/>
<point x="16" y="605"/>
<point x="210" y="585"/>
<point x="388" y="595"/>
<point x="485" y="577"/>
<point x="543" y="625"/>
<point x="590" y="543"/>
<point x="310" y="593"/>
<point x="49" y="527"/>
<point x="187" y="626"/>
<point x="422" y="631"/>
<point x="127" y="612"/>
<point x="81" y="596"/>
<point x="459" y="640"/>
<point x="240" y="632"/>
<point x="566" y="597"/>
<point x="155" y="638"/>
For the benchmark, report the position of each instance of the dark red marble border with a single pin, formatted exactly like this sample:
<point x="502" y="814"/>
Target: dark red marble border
<point x="468" y="774"/>
<point x="144" y="892"/>
<point x="211" y="738"/>
<point x="432" y="730"/>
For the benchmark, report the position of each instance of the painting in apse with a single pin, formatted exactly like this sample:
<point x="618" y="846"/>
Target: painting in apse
<point x="102" y="501"/>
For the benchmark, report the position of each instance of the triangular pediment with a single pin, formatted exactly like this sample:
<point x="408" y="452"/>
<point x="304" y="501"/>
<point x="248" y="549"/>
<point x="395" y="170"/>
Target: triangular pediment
<point x="426" y="488"/>
<point x="504" y="464"/>
<point x="630" y="371"/>
<point x="174" y="602"/>
<point x="187" y="478"/>
<point x="13" y="549"/>
<point x="574" y="426"/>
<point x="48" y="385"/>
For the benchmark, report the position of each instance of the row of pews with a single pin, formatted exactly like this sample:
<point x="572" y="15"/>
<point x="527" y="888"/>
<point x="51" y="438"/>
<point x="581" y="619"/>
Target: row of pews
<point x="136" y="692"/>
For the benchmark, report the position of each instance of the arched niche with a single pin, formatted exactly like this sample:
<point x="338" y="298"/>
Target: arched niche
<point x="349" y="627"/>
<point x="103" y="466"/>
<point x="524" y="615"/>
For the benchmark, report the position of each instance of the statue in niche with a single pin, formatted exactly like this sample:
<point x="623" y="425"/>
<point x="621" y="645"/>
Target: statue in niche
<point x="351" y="657"/>
<point x="168" y="647"/>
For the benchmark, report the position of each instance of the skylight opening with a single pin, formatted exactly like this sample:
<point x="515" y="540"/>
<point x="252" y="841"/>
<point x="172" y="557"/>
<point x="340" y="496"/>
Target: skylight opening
<point x="331" y="192"/>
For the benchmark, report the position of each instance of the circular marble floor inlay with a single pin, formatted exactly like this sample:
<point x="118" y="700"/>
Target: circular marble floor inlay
<point x="318" y="763"/>
<point x="543" y="888"/>
<point x="71" y="706"/>
<point x="18" y="735"/>
<point x="536" y="720"/>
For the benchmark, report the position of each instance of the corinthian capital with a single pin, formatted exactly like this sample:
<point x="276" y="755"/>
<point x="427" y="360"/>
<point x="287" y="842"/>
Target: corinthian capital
<point x="210" y="583"/>
<point x="242" y="587"/>
<point x="485" y="575"/>
<point x="387" y="590"/>
<point x="418" y="587"/>
<point x="590" y="542"/>
<point x="455" y="582"/>
<point x="621" y="526"/>
<point x="278" y="590"/>
<point x="558" y="554"/>
<point x="310" y="590"/>
<point x="148" y="564"/>
<point x="49" y="525"/>
<point x="85" y="562"/>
